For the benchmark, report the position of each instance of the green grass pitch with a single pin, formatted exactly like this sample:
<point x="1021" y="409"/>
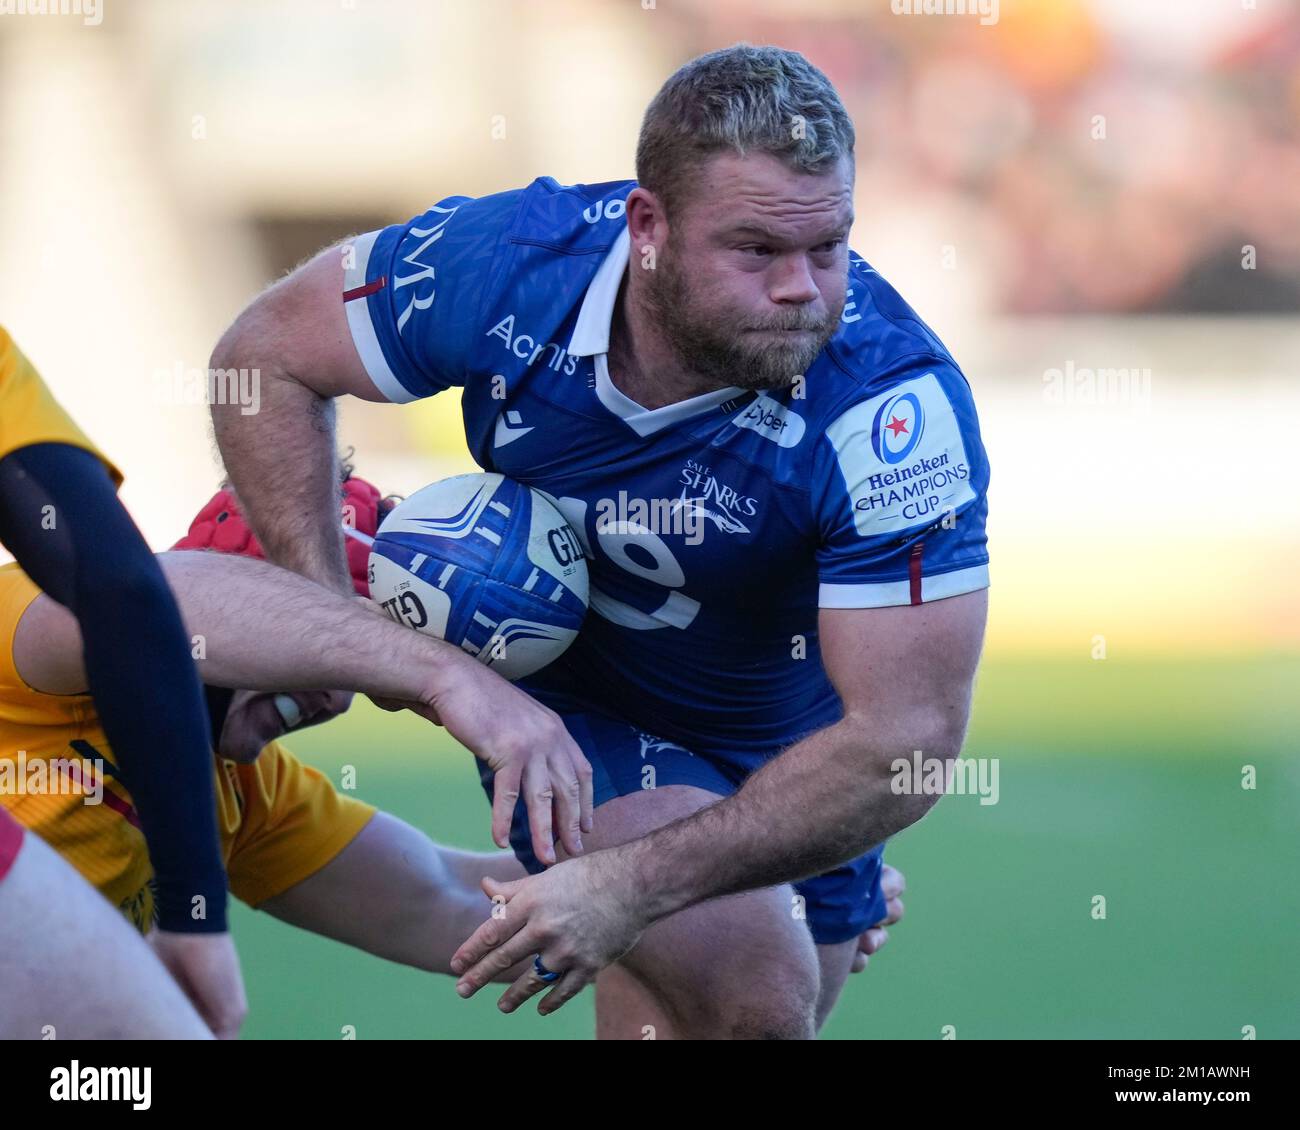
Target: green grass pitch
<point x="1120" y="779"/>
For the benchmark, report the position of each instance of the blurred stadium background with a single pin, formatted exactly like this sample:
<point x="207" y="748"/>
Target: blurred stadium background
<point x="1081" y="186"/>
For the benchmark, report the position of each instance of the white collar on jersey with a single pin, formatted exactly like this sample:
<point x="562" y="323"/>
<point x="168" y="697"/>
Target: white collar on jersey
<point x="591" y="338"/>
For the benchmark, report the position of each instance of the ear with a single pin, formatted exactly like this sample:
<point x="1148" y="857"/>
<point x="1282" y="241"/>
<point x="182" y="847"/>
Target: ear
<point x="647" y="222"/>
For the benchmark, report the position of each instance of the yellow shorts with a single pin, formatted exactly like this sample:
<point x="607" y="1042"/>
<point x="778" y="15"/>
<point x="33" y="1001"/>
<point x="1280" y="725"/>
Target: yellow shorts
<point x="280" y="821"/>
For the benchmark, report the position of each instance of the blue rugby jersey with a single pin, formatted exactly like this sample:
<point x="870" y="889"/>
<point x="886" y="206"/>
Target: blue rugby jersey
<point x="715" y="527"/>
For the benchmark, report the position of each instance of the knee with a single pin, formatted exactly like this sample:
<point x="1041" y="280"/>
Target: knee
<point x="778" y="1002"/>
<point x="782" y="1018"/>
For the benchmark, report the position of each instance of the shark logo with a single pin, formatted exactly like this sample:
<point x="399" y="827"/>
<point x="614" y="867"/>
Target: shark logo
<point x="705" y="496"/>
<point x="695" y="508"/>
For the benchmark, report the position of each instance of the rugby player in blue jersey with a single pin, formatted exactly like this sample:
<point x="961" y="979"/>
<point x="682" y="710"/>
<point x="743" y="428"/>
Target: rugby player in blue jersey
<point x="777" y="473"/>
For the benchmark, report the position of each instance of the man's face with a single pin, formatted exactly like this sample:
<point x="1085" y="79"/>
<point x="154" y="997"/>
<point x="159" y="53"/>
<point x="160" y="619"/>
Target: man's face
<point x="258" y="717"/>
<point x="751" y="281"/>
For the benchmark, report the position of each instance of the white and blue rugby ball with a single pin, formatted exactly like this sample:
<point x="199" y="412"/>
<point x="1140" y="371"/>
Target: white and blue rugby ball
<point x="486" y="564"/>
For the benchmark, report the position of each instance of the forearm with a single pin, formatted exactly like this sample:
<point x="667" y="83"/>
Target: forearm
<point x="822" y="802"/>
<point x="127" y="637"/>
<point x="264" y="628"/>
<point x="425" y="931"/>
<point x="395" y="893"/>
<point x="282" y="459"/>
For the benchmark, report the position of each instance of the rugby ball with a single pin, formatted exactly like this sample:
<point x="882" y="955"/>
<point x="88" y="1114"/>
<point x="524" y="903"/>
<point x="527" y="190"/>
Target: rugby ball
<point x="486" y="564"/>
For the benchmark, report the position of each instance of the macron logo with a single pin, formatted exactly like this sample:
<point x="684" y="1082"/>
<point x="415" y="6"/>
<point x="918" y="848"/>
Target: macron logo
<point x="508" y="429"/>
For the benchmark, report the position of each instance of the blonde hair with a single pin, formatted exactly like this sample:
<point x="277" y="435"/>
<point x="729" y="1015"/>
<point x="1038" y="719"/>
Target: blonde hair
<point x="740" y="99"/>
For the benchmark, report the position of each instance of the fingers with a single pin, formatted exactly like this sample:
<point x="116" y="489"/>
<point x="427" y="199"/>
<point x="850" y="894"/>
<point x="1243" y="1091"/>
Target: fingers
<point x="892" y="882"/>
<point x="868" y="943"/>
<point x="495" y="931"/>
<point x="505" y="794"/>
<point x="565" y="989"/>
<point x="568" y="804"/>
<point x="539" y="797"/>
<point x="873" y="940"/>
<point x="530" y="984"/>
<point x="496" y="960"/>
<point x="500" y="888"/>
<point x="527" y="986"/>
<point x="892" y="885"/>
<point x="586" y="788"/>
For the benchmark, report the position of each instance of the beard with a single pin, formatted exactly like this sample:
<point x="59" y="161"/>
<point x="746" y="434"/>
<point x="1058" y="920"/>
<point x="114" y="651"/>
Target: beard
<point x="727" y="347"/>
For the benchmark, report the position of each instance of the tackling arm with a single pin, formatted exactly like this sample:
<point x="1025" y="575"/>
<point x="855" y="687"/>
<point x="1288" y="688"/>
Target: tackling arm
<point x="264" y="628"/>
<point x="253" y="619"/>
<point x="395" y="893"/>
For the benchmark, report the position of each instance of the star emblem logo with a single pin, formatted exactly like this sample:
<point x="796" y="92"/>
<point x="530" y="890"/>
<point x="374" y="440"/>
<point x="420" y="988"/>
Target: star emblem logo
<point x="897" y="426"/>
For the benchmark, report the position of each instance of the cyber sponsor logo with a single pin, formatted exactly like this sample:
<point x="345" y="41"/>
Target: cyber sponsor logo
<point x="772" y="420"/>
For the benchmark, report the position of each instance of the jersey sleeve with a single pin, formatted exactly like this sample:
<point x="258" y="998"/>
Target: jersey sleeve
<point x="29" y="414"/>
<point x="901" y="496"/>
<point x="414" y="292"/>
<point x="293" y="822"/>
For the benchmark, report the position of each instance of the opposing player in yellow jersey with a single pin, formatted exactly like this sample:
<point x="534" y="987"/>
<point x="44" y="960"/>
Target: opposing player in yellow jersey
<point x="60" y="517"/>
<point x="292" y="844"/>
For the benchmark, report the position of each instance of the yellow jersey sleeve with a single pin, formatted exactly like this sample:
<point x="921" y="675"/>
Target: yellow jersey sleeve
<point x="29" y="413"/>
<point x="293" y="823"/>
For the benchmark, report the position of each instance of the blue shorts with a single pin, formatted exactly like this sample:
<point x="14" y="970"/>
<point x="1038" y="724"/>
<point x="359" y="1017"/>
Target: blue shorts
<point x="838" y="905"/>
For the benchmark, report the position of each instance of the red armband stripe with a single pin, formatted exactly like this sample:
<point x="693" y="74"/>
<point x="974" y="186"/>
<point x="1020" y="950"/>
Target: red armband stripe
<point x="914" y="572"/>
<point x="367" y="290"/>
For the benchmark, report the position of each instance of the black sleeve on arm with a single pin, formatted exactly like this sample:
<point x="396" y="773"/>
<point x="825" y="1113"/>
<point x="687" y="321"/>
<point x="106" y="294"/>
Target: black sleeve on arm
<point x="61" y="518"/>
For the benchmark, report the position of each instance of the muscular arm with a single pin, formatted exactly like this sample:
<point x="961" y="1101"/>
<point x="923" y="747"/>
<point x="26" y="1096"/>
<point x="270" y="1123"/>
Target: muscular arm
<point x="261" y="628"/>
<point x="395" y="893"/>
<point x="264" y="628"/>
<point x="282" y="458"/>
<point x="905" y="676"/>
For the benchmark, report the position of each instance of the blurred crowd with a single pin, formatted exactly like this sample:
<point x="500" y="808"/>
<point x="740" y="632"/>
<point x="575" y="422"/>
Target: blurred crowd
<point x="1122" y="156"/>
